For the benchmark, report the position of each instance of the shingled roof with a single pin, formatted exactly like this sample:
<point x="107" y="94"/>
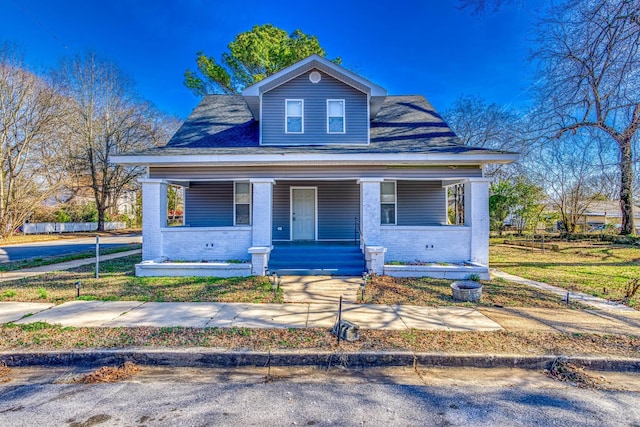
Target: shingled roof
<point x="223" y="124"/>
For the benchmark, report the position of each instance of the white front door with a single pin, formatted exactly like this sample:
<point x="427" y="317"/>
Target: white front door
<point x="303" y="214"/>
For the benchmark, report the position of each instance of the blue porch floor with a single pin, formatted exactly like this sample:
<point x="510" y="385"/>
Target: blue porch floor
<point x="312" y="258"/>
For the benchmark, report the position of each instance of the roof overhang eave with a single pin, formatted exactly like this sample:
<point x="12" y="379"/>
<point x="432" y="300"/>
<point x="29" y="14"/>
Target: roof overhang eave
<point x="451" y="159"/>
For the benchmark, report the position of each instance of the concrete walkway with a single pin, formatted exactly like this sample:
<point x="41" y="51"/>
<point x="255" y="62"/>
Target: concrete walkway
<point x="225" y="315"/>
<point x="567" y="321"/>
<point x="599" y="303"/>
<point x="320" y="315"/>
<point x="44" y="269"/>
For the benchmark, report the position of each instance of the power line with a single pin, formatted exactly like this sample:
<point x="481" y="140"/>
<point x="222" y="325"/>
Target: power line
<point x="39" y="24"/>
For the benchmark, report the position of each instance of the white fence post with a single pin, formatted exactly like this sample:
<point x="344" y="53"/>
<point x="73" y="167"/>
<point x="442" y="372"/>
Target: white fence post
<point x="97" y="257"/>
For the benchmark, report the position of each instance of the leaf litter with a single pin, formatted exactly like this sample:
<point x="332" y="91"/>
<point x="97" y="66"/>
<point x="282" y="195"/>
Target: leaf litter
<point x="108" y="374"/>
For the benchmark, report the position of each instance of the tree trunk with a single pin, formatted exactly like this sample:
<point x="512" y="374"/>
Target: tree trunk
<point x="101" y="211"/>
<point x="626" y="187"/>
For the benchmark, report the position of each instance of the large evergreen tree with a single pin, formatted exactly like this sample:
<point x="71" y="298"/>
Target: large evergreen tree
<point x="252" y="56"/>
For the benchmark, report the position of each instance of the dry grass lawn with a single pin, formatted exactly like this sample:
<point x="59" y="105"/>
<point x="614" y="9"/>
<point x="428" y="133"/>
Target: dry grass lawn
<point x="117" y="282"/>
<point x="602" y="269"/>
<point x="437" y="292"/>
<point x="41" y="336"/>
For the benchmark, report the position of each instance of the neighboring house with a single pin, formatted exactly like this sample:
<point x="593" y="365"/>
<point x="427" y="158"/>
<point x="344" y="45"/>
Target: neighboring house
<point x="307" y="169"/>
<point x="605" y="212"/>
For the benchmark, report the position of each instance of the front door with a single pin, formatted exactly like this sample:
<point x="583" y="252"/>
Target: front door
<point x="303" y="213"/>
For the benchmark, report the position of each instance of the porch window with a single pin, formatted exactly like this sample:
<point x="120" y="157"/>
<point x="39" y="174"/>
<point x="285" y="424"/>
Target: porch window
<point x="242" y="203"/>
<point x="388" y="202"/>
<point x="335" y="115"/>
<point x="294" y="115"/>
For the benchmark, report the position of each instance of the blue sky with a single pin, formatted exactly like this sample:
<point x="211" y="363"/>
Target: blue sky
<point x="408" y="47"/>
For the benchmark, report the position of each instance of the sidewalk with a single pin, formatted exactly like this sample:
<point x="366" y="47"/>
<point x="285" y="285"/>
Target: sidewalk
<point x="44" y="269"/>
<point x="225" y="315"/>
<point x="320" y="315"/>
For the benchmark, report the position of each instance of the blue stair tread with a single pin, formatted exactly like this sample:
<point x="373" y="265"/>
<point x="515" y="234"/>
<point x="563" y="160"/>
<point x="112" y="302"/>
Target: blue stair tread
<point x="317" y="272"/>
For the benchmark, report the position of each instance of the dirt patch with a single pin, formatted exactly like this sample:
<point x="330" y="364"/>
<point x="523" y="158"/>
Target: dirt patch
<point x="564" y="371"/>
<point x="108" y="374"/>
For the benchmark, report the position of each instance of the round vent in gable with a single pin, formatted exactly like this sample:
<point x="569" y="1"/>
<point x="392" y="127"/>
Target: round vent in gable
<point x="315" y="77"/>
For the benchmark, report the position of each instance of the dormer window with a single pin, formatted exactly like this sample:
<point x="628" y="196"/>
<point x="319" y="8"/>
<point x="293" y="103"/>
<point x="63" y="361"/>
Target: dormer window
<point x="335" y="115"/>
<point x="294" y="115"/>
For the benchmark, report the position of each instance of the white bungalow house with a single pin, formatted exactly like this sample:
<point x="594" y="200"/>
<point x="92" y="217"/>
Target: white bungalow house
<point x="315" y="170"/>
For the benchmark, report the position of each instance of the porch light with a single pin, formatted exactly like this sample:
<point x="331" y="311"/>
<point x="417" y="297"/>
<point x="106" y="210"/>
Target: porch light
<point x="78" y="284"/>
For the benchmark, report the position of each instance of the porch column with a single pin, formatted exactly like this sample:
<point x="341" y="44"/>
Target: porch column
<point x="154" y="216"/>
<point x="476" y="216"/>
<point x="370" y="210"/>
<point x="262" y="211"/>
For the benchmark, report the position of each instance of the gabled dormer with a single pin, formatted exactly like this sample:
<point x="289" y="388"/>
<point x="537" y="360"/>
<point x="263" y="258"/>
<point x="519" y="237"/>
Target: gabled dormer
<point x="314" y="102"/>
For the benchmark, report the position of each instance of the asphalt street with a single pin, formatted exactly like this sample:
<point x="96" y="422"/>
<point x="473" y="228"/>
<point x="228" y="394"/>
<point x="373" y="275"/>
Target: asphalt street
<point x="63" y="247"/>
<point x="187" y="396"/>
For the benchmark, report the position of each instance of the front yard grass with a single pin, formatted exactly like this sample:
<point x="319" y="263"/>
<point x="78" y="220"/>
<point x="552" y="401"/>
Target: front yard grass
<point x="437" y="292"/>
<point x="117" y="282"/>
<point x="597" y="268"/>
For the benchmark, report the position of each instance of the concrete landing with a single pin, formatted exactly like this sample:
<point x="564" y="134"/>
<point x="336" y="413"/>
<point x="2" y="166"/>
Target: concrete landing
<point x="320" y="289"/>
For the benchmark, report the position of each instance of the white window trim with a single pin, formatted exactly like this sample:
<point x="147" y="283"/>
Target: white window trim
<point x="344" y="116"/>
<point x="286" y="116"/>
<point x="395" y="203"/>
<point x="236" y="203"/>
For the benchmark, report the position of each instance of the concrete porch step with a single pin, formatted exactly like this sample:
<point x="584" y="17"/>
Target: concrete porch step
<point x="316" y="263"/>
<point x="316" y="258"/>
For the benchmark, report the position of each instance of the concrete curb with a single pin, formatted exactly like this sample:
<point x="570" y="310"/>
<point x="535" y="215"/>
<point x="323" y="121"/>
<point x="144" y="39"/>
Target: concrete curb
<point x="229" y="359"/>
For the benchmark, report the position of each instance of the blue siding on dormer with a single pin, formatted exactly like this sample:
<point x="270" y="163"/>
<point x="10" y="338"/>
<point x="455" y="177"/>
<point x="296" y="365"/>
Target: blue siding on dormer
<point x="315" y="97"/>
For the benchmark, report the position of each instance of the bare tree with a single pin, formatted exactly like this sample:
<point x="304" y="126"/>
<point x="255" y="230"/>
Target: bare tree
<point x="478" y="7"/>
<point x="567" y="171"/>
<point x="589" y="58"/>
<point x="481" y="124"/>
<point x="106" y="118"/>
<point x="30" y="114"/>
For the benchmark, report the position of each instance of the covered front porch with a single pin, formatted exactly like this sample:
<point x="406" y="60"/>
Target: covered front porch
<point x="330" y="226"/>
